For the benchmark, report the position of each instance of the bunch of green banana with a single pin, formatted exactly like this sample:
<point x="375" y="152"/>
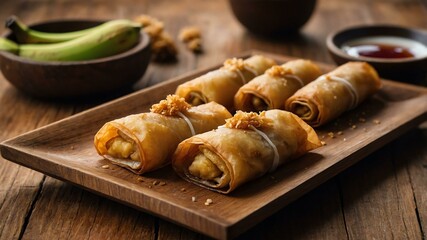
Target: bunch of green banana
<point x="25" y="34"/>
<point x="105" y="40"/>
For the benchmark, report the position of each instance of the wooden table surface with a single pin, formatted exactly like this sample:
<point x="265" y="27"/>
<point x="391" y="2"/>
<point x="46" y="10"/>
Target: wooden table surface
<point x="384" y="196"/>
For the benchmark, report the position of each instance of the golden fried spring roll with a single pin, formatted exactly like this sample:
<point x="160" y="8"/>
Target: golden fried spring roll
<point x="334" y="93"/>
<point x="144" y="142"/>
<point x="246" y="147"/>
<point x="271" y="89"/>
<point x="222" y="84"/>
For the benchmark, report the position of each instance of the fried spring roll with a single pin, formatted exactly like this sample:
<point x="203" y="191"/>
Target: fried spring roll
<point x="145" y="142"/>
<point x="222" y="84"/>
<point x="271" y="89"/>
<point x="246" y="147"/>
<point x="332" y="94"/>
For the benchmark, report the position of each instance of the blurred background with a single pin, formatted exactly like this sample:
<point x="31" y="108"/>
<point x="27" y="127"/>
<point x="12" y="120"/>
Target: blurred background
<point x="223" y="35"/>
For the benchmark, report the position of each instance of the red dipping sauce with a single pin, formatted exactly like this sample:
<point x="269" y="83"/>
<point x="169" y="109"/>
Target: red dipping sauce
<point x="382" y="51"/>
<point x="385" y="47"/>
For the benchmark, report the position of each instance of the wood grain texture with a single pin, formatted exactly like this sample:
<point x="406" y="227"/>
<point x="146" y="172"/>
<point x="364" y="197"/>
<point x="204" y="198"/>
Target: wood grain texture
<point x="416" y="170"/>
<point x="319" y="212"/>
<point x="65" y="150"/>
<point x="385" y="202"/>
<point x="85" y="217"/>
<point x="223" y="37"/>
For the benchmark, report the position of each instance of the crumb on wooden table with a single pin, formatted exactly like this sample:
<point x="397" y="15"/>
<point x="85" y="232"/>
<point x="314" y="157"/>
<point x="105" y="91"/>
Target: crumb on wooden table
<point x="163" y="48"/>
<point x="192" y="36"/>
<point x="208" y="202"/>
<point x="162" y="45"/>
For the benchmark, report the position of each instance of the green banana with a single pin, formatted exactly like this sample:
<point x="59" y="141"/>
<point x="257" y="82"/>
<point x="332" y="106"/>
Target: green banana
<point x="108" y="40"/>
<point x="24" y="34"/>
<point x="8" y="46"/>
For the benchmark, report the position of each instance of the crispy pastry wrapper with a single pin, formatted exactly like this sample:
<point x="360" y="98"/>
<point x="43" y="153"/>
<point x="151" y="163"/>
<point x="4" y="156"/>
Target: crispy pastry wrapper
<point x="225" y="158"/>
<point x="332" y="94"/>
<point x="271" y="89"/>
<point x="145" y="142"/>
<point x="221" y="85"/>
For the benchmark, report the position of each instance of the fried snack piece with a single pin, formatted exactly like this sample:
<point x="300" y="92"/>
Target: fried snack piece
<point x="144" y="142"/>
<point x="332" y="94"/>
<point x="248" y="146"/>
<point x="271" y="89"/>
<point x="221" y="85"/>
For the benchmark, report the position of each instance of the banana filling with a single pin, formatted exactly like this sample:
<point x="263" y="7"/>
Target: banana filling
<point x="122" y="148"/>
<point x="195" y="99"/>
<point x="209" y="167"/>
<point x="203" y="168"/>
<point x="258" y="104"/>
<point x="302" y="110"/>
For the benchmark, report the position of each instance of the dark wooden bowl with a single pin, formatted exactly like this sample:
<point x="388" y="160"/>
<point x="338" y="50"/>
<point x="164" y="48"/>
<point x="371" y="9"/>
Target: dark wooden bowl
<point x="66" y="80"/>
<point x="272" y="17"/>
<point x="413" y="70"/>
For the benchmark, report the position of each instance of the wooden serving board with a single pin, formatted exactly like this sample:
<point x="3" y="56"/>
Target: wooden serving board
<point x="64" y="150"/>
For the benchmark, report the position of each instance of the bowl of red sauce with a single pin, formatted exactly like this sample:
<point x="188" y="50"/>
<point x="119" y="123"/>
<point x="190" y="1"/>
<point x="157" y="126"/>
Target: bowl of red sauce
<point x="397" y="53"/>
